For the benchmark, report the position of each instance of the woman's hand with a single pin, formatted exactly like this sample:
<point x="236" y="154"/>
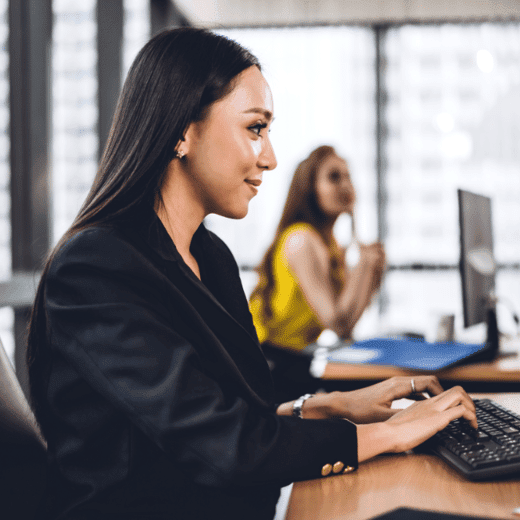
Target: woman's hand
<point x="373" y="259"/>
<point x="373" y="254"/>
<point x="384" y="430"/>
<point x="367" y="405"/>
<point x="410" y="427"/>
<point x="373" y="403"/>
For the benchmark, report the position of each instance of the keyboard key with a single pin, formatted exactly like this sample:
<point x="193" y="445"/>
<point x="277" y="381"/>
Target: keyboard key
<point x="463" y="437"/>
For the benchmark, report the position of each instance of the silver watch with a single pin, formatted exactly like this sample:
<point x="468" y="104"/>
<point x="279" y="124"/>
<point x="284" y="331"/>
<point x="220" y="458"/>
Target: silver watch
<point x="298" y="404"/>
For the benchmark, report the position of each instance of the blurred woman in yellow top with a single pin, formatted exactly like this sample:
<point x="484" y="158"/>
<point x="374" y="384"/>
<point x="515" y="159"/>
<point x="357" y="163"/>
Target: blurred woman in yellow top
<point x="304" y="283"/>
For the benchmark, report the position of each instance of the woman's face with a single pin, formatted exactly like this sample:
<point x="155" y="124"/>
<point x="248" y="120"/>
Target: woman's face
<point x="334" y="190"/>
<point x="229" y="150"/>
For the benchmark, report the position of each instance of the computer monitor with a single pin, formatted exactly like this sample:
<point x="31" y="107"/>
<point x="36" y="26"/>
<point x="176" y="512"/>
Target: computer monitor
<point x="477" y="265"/>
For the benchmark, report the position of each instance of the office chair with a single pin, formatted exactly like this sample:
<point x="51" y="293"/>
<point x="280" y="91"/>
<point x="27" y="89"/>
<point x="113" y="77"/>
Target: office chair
<point x="22" y="450"/>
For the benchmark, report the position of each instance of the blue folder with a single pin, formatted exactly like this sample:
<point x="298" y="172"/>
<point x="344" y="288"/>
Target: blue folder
<point x="405" y="353"/>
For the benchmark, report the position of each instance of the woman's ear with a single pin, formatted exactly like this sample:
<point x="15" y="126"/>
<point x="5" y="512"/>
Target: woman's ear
<point x="180" y="149"/>
<point x="188" y="141"/>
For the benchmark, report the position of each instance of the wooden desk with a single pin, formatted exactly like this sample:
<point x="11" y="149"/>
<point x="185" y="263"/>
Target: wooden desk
<point x="407" y="480"/>
<point x="505" y="371"/>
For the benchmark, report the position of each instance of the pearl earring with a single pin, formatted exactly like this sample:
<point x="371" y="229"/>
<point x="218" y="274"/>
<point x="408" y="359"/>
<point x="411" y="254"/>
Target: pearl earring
<point x="179" y="154"/>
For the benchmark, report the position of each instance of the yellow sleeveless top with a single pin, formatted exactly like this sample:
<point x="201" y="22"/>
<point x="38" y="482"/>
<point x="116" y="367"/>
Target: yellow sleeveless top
<point x="293" y="323"/>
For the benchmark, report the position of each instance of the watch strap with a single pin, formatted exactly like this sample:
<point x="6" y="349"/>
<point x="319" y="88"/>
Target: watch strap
<point x="298" y="405"/>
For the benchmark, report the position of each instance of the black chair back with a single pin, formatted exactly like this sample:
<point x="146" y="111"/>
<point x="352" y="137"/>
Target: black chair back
<point x="22" y="450"/>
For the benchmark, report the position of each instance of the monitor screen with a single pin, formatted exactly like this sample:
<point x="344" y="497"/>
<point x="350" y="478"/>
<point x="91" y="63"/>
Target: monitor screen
<point x="477" y="263"/>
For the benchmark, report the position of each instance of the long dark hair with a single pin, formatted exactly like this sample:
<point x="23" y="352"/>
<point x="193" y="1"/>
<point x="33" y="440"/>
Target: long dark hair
<point x="301" y="205"/>
<point x="173" y="81"/>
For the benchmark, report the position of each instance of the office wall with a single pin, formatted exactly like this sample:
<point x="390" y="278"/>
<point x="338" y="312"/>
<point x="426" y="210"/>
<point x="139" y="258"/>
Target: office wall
<point x="214" y="13"/>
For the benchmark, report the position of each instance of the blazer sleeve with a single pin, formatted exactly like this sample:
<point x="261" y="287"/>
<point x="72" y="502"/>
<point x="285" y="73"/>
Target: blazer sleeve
<point x="108" y="317"/>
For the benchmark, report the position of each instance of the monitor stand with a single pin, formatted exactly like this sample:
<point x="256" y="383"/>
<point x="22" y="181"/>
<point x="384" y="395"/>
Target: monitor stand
<point x="490" y="352"/>
<point x="492" y="339"/>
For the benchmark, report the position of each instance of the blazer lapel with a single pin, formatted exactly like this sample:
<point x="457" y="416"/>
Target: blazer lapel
<point x="224" y="308"/>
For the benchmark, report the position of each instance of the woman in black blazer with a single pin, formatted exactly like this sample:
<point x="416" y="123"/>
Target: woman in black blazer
<point x="146" y="373"/>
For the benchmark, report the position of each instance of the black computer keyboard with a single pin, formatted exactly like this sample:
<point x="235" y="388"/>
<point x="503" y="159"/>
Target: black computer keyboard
<point x="491" y="451"/>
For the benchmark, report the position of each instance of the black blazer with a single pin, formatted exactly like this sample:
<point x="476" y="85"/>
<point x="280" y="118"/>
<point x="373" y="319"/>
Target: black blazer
<point x="158" y="402"/>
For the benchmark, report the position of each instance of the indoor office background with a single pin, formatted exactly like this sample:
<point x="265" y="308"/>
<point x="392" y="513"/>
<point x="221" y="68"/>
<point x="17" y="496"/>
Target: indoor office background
<point x="419" y="106"/>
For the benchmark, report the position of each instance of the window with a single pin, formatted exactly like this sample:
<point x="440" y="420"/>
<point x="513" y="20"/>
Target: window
<point x="324" y="90"/>
<point x="457" y="128"/>
<point x="74" y="109"/>
<point x="136" y="30"/>
<point x="75" y="90"/>
<point x="449" y="108"/>
<point x="6" y="313"/>
<point x="449" y="119"/>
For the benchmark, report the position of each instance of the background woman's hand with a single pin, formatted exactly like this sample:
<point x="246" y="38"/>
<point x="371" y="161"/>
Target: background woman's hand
<point x="373" y="403"/>
<point x="373" y="258"/>
<point x="373" y="254"/>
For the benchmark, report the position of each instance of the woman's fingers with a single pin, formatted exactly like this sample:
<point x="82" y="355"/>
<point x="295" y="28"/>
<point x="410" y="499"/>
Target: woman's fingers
<point x="455" y="397"/>
<point x="421" y="420"/>
<point x="458" y="411"/>
<point x="428" y="384"/>
<point x="403" y="387"/>
<point x="455" y="403"/>
<point x="452" y="403"/>
<point x="373" y="403"/>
